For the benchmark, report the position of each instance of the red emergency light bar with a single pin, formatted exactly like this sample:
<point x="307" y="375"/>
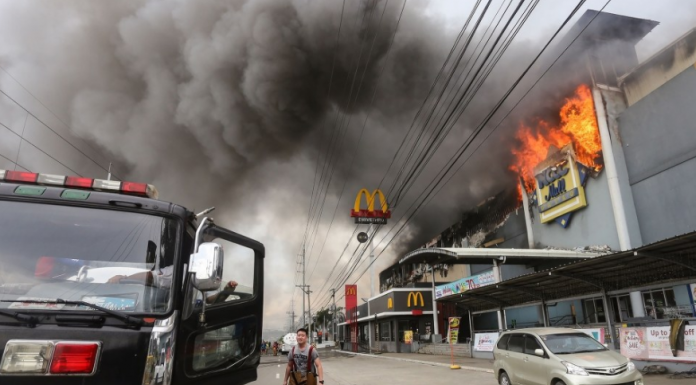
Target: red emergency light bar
<point x="130" y="188"/>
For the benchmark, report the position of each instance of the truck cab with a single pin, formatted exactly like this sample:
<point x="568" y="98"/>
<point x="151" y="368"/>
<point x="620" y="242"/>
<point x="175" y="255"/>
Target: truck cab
<point x="102" y="283"/>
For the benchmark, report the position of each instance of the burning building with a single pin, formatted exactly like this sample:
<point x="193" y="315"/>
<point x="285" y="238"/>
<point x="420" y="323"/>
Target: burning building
<point x="606" y="166"/>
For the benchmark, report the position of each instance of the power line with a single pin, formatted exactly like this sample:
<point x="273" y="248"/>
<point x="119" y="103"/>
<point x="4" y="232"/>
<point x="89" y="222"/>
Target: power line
<point x="356" y="153"/>
<point x="476" y="82"/>
<point x="47" y="126"/>
<point x="352" y="268"/>
<point x="342" y="131"/>
<point x="485" y="122"/>
<point x="430" y="92"/>
<point x="22" y="139"/>
<point x="496" y="108"/>
<point x="460" y="105"/>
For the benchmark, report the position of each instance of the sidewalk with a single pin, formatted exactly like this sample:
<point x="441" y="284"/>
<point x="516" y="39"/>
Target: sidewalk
<point x="473" y="364"/>
<point x="485" y="365"/>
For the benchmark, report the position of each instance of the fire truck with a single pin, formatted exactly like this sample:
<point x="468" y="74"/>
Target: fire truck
<point x="102" y="283"/>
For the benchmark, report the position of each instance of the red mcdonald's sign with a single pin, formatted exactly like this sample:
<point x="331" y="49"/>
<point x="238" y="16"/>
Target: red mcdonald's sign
<point x="351" y="297"/>
<point x="370" y="215"/>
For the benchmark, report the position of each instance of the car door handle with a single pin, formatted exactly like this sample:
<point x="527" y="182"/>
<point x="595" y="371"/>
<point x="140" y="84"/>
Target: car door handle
<point x="507" y="355"/>
<point x="526" y="359"/>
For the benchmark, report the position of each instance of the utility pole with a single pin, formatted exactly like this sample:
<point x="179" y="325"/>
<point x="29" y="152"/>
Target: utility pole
<point x="372" y="284"/>
<point x="333" y="314"/>
<point x="309" y="309"/>
<point x="301" y="263"/>
<point x="305" y="290"/>
<point x="372" y="265"/>
<point x="292" y="315"/>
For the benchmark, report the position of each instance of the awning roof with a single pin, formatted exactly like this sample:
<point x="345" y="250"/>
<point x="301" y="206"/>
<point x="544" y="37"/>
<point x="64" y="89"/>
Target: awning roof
<point x="485" y="255"/>
<point x="666" y="261"/>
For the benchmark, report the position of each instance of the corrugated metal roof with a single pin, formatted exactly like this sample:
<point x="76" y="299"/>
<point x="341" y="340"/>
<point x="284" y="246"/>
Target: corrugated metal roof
<point x="666" y="261"/>
<point x="469" y="255"/>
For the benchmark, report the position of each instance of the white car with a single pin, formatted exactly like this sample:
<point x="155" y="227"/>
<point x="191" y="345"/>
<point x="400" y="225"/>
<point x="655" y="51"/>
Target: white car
<point x="289" y="341"/>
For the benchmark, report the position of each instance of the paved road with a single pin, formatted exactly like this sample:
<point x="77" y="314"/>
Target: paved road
<point x="349" y="370"/>
<point x="342" y="369"/>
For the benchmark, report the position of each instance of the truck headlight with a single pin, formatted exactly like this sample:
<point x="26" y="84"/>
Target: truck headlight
<point x="574" y="369"/>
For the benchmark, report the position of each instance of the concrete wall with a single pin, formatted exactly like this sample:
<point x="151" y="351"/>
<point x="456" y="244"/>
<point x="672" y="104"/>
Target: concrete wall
<point x="514" y="231"/>
<point x="32" y="138"/>
<point x="659" y="137"/>
<point x="661" y="68"/>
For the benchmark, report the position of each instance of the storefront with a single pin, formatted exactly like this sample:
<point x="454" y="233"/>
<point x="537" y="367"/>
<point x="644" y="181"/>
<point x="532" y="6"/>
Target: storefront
<point x="398" y="320"/>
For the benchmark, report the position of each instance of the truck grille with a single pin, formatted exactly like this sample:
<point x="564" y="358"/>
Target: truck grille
<point x="608" y="371"/>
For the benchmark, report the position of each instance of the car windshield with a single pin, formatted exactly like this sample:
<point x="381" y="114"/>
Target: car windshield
<point x="115" y="259"/>
<point x="571" y="343"/>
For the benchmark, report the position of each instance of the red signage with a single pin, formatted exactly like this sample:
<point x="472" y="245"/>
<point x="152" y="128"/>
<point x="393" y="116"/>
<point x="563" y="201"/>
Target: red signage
<point x="351" y="297"/>
<point x="370" y="215"/>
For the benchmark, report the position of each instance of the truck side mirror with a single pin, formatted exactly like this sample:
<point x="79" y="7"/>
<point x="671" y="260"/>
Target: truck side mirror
<point x="207" y="265"/>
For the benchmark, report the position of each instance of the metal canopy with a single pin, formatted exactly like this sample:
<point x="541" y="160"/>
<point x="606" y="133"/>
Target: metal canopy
<point x="485" y="255"/>
<point x="671" y="260"/>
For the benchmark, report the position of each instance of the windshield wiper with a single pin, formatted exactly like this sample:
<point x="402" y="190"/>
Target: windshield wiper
<point x="135" y="322"/>
<point x="28" y="320"/>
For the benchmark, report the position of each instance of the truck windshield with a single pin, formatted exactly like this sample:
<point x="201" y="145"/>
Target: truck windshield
<point x="115" y="259"/>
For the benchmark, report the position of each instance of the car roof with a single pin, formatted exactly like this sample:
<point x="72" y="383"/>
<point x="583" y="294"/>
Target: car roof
<point x="544" y="331"/>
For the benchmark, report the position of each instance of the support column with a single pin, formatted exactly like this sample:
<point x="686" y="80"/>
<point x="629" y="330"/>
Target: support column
<point x="502" y="324"/>
<point x="608" y="315"/>
<point x="637" y="304"/>
<point x="545" y="313"/>
<point x="622" y="203"/>
<point x="471" y="333"/>
<point x="436" y="326"/>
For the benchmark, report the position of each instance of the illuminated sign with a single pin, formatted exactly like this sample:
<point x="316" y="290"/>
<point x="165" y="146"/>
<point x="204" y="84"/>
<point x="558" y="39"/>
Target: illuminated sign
<point x="415" y="295"/>
<point x="351" y="296"/>
<point x="370" y="215"/>
<point x="560" y="187"/>
<point x="390" y="303"/>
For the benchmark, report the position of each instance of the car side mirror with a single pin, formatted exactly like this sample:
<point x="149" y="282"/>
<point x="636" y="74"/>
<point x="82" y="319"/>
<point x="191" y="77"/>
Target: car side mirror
<point x="539" y="352"/>
<point x="207" y="264"/>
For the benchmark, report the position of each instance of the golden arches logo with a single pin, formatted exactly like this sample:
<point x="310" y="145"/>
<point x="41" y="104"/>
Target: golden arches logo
<point x="390" y="303"/>
<point x="351" y="290"/>
<point x="370" y="212"/>
<point x="415" y="295"/>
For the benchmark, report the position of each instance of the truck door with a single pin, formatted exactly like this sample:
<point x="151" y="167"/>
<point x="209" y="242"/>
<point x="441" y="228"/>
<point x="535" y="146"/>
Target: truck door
<point x="219" y="342"/>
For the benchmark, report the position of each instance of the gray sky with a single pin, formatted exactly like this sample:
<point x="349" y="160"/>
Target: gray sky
<point x="224" y="105"/>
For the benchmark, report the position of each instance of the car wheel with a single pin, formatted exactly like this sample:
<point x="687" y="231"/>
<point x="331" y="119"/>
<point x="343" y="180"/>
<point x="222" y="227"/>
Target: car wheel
<point x="504" y="379"/>
<point x="559" y="382"/>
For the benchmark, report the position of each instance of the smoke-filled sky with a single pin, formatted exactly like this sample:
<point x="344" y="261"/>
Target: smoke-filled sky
<point x="232" y="103"/>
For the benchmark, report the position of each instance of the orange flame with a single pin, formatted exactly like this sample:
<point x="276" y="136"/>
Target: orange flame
<point x="578" y="125"/>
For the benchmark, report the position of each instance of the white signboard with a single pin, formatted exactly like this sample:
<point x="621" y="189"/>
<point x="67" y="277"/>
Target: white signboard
<point x="484" y="342"/>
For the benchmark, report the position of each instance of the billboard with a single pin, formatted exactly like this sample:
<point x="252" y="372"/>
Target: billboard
<point x="484" y="342"/>
<point x="560" y="188"/>
<point x="652" y="343"/>
<point x="464" y="284"/>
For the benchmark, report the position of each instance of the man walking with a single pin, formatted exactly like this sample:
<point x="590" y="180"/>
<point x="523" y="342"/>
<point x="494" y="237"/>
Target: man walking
<point x="304" y="362"/>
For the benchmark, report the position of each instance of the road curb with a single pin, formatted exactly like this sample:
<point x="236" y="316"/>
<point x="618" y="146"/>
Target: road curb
<point x="470" y="368"/>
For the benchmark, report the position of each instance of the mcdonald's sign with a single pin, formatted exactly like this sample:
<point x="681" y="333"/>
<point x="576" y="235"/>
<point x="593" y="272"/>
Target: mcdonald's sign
<point x="370" y="215"/>
<point x="415" y="295"/>
<point x="351" y="297"/>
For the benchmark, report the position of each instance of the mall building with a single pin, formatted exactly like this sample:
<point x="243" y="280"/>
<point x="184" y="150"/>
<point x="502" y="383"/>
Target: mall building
<point x="594" y="238"/>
